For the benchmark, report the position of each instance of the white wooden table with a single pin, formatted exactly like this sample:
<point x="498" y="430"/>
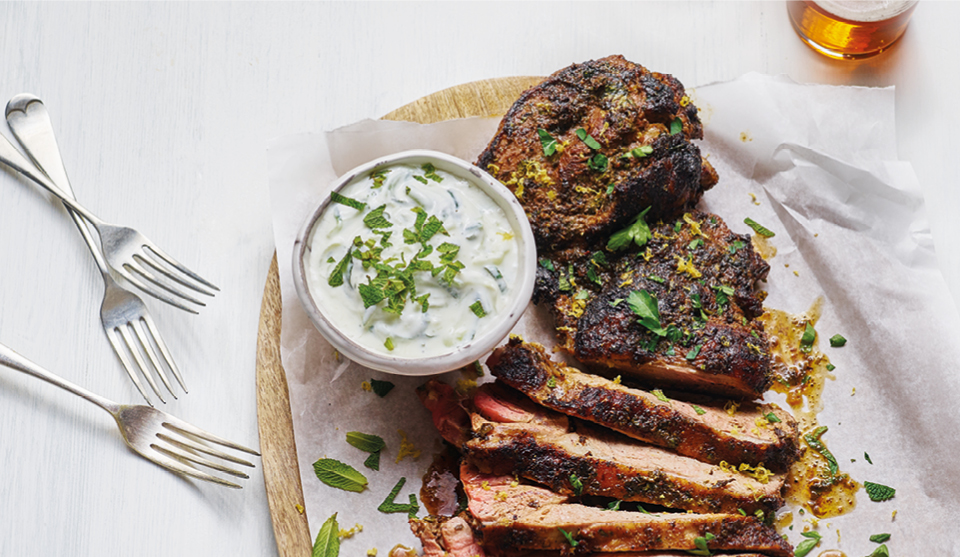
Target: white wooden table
<point x="163" y="112"/>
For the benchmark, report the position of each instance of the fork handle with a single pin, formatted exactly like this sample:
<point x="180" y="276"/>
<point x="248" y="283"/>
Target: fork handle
<point x="30" y="123"/>
<point x="9" y="358"/>
<point x="10" y="156"/>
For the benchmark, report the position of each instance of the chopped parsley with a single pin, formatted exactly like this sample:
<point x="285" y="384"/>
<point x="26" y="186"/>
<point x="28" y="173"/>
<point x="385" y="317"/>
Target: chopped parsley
<point x="644" y="305"/>
<point x="348" y="201"/>
<point x="638" y="232"/>
<point x="587" y="138"/>
<point x="758" y="228"/>
<point x="879" y="492"/>
<point x="837" y="341"/>
<point x="548" y="142"/>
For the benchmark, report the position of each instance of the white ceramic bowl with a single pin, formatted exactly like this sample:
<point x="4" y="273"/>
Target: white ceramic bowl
<point x="459" y="355"/>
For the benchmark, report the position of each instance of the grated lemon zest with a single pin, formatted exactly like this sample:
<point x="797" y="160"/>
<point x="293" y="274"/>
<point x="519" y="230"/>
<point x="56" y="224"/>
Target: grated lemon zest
<point x="406" y="447"/>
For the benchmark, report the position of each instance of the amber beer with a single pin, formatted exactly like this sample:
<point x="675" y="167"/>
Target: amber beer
<point x="850" y="30"/>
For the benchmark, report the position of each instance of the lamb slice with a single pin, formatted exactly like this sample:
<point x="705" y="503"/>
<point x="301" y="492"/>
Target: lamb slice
<point x="446" y="537"/>
<point x="509" y="514"/>
<point x="449" y="417"/>
<point x="704" y="432"/>
<point x="544" y="446"/>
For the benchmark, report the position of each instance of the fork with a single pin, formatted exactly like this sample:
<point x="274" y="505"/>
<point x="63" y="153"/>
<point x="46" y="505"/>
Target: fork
<point x="151" y="433"/>
<point x="122" y="311"/>
<point x="125" y="250"/>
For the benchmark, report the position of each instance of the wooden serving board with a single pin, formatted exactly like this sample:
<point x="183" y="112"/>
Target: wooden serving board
<point x="281" y="474"/>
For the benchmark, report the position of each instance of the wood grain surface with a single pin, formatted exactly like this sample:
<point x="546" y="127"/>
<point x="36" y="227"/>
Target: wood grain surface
<point x="281" y="474"/>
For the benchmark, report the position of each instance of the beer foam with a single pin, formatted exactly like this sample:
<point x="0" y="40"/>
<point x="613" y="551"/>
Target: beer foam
<point x="865" y="10"/>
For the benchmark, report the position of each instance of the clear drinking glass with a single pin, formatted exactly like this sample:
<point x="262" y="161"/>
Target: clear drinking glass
<point x="849" y="30"/>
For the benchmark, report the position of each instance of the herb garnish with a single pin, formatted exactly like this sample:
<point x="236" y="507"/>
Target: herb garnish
<point x="736" y="246"/>
<point x="758" y="228"/>
<point x="598" y="162"/>
<point x="831" y="367"/>
<point x="381" y="388"/>
<point x="547" y="264"/>
<point x="772" y="418"/>
<point x="837" y="341"/>
<point x="430" y="172"/>
<point x="807" y="545"/>
<point x="880" y="551"/>
<point x="641" y="152"/>
<point x="389" y="506"/>
<point x="692" y="355"/>
<point x="660" y="396"/>
<point x="378" y="177"/>
<point x="327" y="543"/>
<point x="576" y="484"/>
<point x="638" y="232"/>
<point x="388" y="344"/>
<point x="548" y="142"/>
<point x="375" y="219"/>
<point x="336" y="277"/>
<point x="365" y="441"/>
<point x="477" y="309"/>
<point x="879" y="538"/>
<point x="373" y="461"/>
<point x="701" y="543"/>
<point x="569" y="536"/>
<point x="879" y="492"/>
<point x="867" y="458"/>
<point x="587" y="138"/>
<point x="806" y="341"/>
<point x="698" y="410"/>
<point x="348" y="201"/>
<point x="813" y="439"/>
<point x="676" y="126"/>
<point x="339" y="475"/>
<point x="645" y="306"/>
<point x="614" y="505"/>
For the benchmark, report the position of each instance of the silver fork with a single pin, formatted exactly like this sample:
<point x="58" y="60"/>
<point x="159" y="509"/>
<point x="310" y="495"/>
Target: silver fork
<point x="153" y="434"/>
<point x="121" y="311"/>
<point x="127" y="251"/>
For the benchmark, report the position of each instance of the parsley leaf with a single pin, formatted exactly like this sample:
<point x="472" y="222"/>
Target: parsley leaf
<point x="327" y="543"/>
<point x="548" y="142"/>
<point x="758" y="228"/>
<point x="837" y="341"/>
<point x="348" y="201"/>
<point x="645" y="306"/>
<point x="587" y="138"/>
<point x="339" y="475"/>
<point x="638" y="232"/>
<point x="879" y="492"/>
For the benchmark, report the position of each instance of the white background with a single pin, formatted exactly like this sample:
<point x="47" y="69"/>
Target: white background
<point x="163" y="112"/>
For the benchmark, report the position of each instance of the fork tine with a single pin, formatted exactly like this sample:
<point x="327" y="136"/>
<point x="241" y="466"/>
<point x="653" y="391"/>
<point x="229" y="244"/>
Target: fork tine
<point x="153" y="292"/>
<point x="175" y="462"/>
<point x="184" y="427"/>
<point x="121" y="353"/>
<point x="163" y="349"/>
<point x="155" y="280"/>
<point x="195" y="449"/>
<point x="199" y="460"/>
<point x="151" y="354"/>
<point x="192" y="445"/>
<point x="176" y="264"/>
<point x="139" y="359"/>
<point x="146" y="259"/>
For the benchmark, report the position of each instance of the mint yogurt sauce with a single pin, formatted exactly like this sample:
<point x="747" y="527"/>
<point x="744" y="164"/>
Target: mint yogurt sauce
<point x="411" y="261"/>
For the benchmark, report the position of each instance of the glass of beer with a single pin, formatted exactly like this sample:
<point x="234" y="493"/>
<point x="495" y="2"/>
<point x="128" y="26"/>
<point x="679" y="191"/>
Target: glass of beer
<point x="850" y="30"/>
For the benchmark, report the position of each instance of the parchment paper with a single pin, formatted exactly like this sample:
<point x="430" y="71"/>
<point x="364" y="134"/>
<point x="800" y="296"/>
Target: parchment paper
<point x="850" y="227"/>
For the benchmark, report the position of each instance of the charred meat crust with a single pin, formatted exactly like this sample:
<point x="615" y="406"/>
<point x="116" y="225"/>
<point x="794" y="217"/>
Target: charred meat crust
<point x="640" y="415"/>
<point x="703" y="277"/>
<point x="623" y="106"/>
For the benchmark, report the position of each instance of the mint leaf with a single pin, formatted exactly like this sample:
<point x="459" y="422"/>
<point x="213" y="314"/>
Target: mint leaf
<point x="547" y="264"/>
<point x="879" y="492"/>
<point x="381" y="388"/>
<point x="644" y="305"/>
<point x="373" y="461"/>
<point x="336" y="277"/>
<point x="638" y="232"/>
<point x="614" y="506"/>
<point x="348" y="201"/>
<point x="641" y="152"/>
<point x="837" y="341"/>
<point x="806" y="341"/>
<point x="389" y="506"/>
<point x="881" y="551"/>
<point x="378" y="177"/>
<point x="880" y="538"/>
<point x="758" y="228"/>
<point x="375" y="219"/>
<point x="430" y="172"/>
<point x="598" y="162"/>
<point x="587" y="138"/>
<point x="365" y="442"/>
<point x="676" y="126"/>
<point x="813" y="439"/>
<point x="807" y="545"/>
<point x="327" y="543"/>
<point x="339" y="475"/>
<point x="548" y="142"/>
<point x="772" y="418"/>
<point x="692" y="354"/>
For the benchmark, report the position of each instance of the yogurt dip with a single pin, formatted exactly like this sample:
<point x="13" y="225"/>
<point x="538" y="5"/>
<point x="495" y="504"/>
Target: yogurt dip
<point x="411" y="261"/>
